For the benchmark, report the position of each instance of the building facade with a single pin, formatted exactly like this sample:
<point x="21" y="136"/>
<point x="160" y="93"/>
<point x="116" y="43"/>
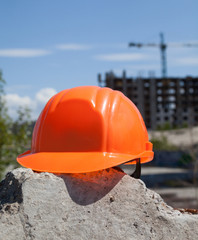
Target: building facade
<point x="172" y="101"/>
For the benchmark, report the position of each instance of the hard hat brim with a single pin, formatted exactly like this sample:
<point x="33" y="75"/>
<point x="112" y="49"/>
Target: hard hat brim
<point x="78" y="162"/>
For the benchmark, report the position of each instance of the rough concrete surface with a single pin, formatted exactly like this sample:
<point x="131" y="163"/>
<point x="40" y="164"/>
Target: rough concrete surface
<point x="102" y="205"/>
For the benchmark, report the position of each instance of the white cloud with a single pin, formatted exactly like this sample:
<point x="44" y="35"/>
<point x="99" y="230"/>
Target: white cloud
<point x="121" y="57"/>
<point x="14" y="101"/>
<point x="23" y="52"/>
<point x="76" y="47"/>
<point x="36" y="104"/>
<point x="73" y="47"/>
<point x="44" y="95"/>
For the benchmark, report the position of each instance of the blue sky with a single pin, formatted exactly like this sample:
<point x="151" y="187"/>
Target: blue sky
<point x="47" y="46"/>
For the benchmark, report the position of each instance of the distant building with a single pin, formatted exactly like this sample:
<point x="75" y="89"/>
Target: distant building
<point x="160" y="101"/>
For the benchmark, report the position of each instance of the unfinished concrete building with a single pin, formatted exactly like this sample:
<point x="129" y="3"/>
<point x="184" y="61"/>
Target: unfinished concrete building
<point x="160" y="101"/>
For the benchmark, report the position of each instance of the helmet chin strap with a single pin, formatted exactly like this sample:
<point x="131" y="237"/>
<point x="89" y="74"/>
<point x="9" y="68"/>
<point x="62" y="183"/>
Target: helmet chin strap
<point x="137" y="172"/>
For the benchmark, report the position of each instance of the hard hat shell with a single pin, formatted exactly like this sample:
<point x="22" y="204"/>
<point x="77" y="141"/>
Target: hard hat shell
<point x="86" y="129"/>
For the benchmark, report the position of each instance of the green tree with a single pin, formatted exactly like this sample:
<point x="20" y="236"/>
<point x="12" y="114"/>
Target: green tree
<point x="15" y="136"/>
<point x="5" y="128"/>
<point x="22" y="131"/>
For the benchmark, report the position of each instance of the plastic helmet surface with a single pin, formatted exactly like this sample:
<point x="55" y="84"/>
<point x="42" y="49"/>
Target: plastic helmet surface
<point x="87" y="129"/>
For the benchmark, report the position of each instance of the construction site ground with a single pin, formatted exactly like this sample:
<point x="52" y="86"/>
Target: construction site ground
<point x="183" y="138"/>
<point x="175" y="185"/>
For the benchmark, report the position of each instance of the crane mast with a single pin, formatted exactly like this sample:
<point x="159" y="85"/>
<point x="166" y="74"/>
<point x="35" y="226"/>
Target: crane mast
<point x="163" y="47"/>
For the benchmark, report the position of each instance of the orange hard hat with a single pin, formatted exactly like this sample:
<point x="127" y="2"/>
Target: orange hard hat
<point x="86" y="129"/>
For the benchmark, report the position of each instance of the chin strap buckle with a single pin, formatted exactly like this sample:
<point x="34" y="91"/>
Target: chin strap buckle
<point x="137" y="172"/>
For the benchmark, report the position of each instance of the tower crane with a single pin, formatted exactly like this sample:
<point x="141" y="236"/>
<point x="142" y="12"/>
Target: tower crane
<point x="163" y="46"/>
